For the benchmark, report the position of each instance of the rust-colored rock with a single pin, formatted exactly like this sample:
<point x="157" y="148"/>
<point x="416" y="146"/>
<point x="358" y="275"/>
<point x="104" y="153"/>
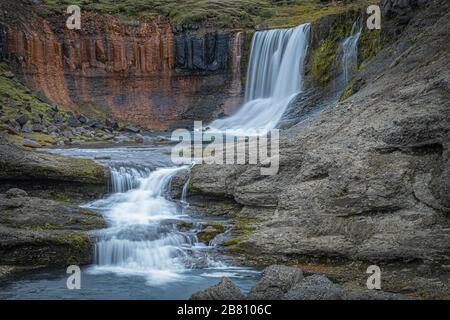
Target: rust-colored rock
<point x="143" y="73"/>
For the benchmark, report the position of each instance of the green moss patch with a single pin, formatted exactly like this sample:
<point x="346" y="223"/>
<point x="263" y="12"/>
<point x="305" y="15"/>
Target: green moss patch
<point x="322" y="60"/>
<point x="370" y="44"/>
<point x="211" y="230"/>
<point x="77" y="241"/>
<point x="347" y="92"/>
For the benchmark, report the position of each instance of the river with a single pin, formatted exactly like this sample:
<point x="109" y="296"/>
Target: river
<point x="143" y="254"/>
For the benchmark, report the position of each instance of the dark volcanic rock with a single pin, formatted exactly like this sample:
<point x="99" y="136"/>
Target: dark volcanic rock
<point x="83" y="119"/>
<point x="15" y="192"/>
<point x="276" y="281"/>
<point x="27" y="128"/>
<point x="208" y="52"/>
<point x="111" y="123"/>
<point x="177" y="184"/>
<point x="38" y="232"/>
<point x="37" y="128"/>
<point x="316" y="287"/>
<point x="27" y="106"/>
<point x="73" y="121"/>
<point x="287" y="283"/>
<point x="22" y="119"/>
<point x="132" y="129"/>
<point x="366" y="179"/>
<point x="19" y="164"/>
<point x="402" y="8"/>
<point x="59" y="118"/>
<point x="224" y="290"/>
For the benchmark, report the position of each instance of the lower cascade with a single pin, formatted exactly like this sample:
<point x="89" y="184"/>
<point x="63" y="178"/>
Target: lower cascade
<point x="142" y="237"/>
<point x="274" y="78"/>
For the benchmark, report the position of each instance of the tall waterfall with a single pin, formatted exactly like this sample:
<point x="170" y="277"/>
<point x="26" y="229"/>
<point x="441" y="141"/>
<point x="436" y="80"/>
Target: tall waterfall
<point x="141" y="238"/>
<point x="274" y="77"/>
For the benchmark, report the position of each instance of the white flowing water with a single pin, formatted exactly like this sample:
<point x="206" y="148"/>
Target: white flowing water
<point x="274" y="78"/>
<point x="149" y="250"/>
<point x="238" y="57"/>
<point x="142" y="238"/>
<point x="349" y="48"/>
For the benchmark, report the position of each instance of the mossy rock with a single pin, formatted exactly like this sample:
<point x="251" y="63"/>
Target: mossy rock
<point x="185" y="225"/>
<point x="75" y="240"/>
<point x="210" y="231"/>
<point x="347" y="92"/>
<point x="323" y="55"/>
<point x="370" y="44"/>
<point x="232" y="241"/>
<point x="18" y="164"/>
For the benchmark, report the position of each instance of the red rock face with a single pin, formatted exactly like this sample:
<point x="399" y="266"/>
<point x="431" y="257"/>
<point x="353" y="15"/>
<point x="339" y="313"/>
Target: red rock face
<point x="138" y="73"/>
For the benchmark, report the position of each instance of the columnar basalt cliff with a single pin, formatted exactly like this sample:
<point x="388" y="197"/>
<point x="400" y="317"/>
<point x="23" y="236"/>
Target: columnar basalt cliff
<point x="147" y="73"/>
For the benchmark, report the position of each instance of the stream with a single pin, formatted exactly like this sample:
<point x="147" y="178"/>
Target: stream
<point x="143" y="254"/>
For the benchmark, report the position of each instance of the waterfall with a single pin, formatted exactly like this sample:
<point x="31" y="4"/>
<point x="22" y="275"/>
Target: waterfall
<point x="124" y="178"/>
<point x="184" y="192"/>
<point x="237" y="58"/>
<point x="349" y="49"/>
<point x="274" y="77"/>
<point x="142" y="237"/>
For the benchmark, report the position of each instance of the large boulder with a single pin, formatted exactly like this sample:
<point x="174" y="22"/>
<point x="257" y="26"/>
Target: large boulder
<point x="18" y="164"/>
<point x="224" y="290"/>
<point x="22" y="119"/>
<point x="30" y="143"/>
<point x="16" y="192"/>
<point x="315" y="287"/>
<point x="280" y="282"/>
<point x="276" y="281"/>
<point x="39" y="232"/>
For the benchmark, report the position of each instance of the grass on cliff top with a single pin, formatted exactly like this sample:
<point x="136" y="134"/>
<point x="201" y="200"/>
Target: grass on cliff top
<point x="221" y="13"/>
<point x="308" y="11"/>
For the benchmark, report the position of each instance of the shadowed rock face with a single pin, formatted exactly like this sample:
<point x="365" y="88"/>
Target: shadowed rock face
<point x="38" y="232"/>
<point x="366" y="179"/>
<point x="144" y="74"/>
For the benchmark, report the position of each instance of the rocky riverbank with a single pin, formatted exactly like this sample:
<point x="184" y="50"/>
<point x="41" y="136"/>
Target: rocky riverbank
<point x="366" y="180"/>
<point x="43" y="226"/>
<point x="36" y="232"/>
<point x="279" y="282"/>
